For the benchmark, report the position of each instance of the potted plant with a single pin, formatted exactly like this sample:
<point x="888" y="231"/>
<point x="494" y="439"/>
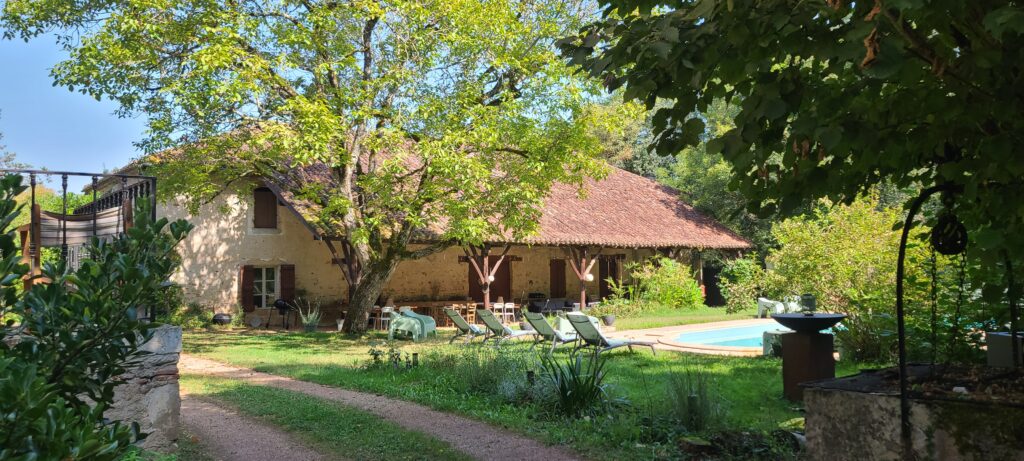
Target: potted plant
<point x="603" y="312"/>
<point x="309" y="313"/>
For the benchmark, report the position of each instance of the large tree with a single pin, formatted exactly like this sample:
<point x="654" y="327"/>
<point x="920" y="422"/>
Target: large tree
<point x="835" y="97"/>
<point x="439" y="121"/>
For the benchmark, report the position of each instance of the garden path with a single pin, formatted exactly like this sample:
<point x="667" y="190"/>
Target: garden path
<point x="230" y="436"/>
<point x="474" y="438"/>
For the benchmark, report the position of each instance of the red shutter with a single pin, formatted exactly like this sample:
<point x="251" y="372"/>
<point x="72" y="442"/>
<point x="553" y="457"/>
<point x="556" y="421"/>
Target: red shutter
<point x="245" y="288"/>
<point x="287" y="282"/>
<point x="264" y="214"/>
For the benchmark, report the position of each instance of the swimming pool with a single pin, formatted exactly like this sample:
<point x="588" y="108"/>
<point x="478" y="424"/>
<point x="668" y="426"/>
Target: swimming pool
<point x="742" y="336"/>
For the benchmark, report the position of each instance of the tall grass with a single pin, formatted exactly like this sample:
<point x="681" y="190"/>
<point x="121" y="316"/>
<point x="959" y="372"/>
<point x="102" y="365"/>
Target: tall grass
<point x="693" y="400"/>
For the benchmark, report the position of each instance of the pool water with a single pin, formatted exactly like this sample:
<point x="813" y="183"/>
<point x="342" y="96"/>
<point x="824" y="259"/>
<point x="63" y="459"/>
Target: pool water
<point x="745" y="336"/>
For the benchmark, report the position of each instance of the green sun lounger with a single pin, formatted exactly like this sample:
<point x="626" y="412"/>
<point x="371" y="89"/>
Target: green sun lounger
<point x="546" y="333"/>
<point x="409" y="323"/>
<point x="498" y="331"/>
<point x="464" y="327"/>
<point x="592" y="337"/>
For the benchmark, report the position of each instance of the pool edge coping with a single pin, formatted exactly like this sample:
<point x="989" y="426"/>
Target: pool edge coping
<point x="663" y="335"/>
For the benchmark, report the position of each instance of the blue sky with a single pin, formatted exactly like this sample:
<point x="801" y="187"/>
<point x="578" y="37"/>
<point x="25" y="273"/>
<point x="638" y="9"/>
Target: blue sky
<point x="51" y="127"/>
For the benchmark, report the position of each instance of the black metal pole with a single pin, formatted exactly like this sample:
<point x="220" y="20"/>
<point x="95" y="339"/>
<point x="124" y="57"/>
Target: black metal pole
<point x="32" y="226"/>
<point x="123" y="197"/>
<point x="93" y="206"/>
<point x="901" y="329"/>
<point x="64" y="218"/>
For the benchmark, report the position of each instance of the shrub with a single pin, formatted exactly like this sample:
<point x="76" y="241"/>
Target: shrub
<point x="667" y="282"/>
<point x="578" y="385"/>
<point x="191" y="316"/>
<point x="846" y="256"/>
<point x="482" y="370"/>
<point x="78" y="335"/>
<point x="659" y="282"/>
<point x="384" y="354"/>
<point x="742" y="281"/>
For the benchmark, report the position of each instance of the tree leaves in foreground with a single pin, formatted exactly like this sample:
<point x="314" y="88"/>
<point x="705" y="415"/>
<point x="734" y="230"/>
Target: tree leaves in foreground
<point x="66" y="342"/>
<point x="453" y="116"/>
<point x="835" y="97"/>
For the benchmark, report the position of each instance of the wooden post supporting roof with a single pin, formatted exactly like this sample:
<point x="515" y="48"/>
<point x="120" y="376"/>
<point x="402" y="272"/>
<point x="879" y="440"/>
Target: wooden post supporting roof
<point x="479" y="258"/>
<point x="582" y="262"/>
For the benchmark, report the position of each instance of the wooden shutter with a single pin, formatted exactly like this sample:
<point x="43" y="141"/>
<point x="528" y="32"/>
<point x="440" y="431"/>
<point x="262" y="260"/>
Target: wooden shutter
<point x="287" y="281"/>
<point x="264" y="214"/>
<point x="245" y="288"/>
<point x="557" y="278"/>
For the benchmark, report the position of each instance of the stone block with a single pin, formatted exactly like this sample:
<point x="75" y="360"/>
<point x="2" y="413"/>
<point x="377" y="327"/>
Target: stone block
<point x="845" y="425"/>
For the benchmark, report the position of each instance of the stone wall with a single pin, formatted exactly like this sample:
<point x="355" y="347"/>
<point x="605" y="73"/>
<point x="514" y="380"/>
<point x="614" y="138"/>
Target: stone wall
<point x="849" y="425"/>
<point x="150" y="396"/>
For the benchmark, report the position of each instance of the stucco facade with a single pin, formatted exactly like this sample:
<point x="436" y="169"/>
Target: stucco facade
<point x="225" y="239"/>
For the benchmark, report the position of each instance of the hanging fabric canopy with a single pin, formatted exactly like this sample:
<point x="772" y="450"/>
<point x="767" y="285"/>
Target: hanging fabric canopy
<point x="80" y="228"/>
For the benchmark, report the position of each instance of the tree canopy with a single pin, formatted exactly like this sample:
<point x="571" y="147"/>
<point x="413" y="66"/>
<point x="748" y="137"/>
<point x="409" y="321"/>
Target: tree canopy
<point x="834" y="97"/>
<point x="458" y="112"/>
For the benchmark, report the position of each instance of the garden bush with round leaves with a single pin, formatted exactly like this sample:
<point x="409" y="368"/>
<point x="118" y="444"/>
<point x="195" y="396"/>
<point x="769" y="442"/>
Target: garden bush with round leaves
<point x="78" y="333"/>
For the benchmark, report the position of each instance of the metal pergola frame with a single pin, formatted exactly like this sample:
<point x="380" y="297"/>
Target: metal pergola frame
<point x="905" y="393"/>
<point x="146" y="187"/>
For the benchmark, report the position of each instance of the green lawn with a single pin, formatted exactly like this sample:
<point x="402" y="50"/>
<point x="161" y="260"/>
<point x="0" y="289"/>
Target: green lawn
<point x="664" y="317"/>
<point x="748" y="389"/>
<point x="345" y="432"/>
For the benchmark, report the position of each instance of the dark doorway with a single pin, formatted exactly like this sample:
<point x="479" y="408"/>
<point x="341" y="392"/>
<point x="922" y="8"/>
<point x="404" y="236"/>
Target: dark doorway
<point x="557" y="278"/>
<point x="713" y="293"/>
<point x="501" y="286"/>
<point x="608" y="268"/>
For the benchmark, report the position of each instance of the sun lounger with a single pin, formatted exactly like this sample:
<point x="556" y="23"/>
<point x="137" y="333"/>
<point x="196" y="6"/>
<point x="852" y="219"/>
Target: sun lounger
<point x="498" y="331"/>
<point x="465" y="328"/>
<point x="592" y="337"/>
<point x="546" y="333"/>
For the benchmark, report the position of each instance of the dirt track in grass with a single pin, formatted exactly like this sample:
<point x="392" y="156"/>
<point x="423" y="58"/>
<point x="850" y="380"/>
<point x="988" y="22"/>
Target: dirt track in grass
<point x="477" y="439"/>
<point x="230" y="436"/>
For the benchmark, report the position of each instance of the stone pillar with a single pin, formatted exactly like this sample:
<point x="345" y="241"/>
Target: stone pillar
<point x="149" y="395"/>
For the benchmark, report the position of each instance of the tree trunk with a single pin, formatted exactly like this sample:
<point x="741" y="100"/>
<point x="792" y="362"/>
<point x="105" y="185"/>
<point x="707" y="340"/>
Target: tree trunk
<point x="365" y="294"/>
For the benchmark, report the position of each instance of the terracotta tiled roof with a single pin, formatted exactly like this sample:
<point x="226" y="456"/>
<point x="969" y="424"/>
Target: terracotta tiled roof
<point x="623" y="210"/>
<point x="628" y="210"/>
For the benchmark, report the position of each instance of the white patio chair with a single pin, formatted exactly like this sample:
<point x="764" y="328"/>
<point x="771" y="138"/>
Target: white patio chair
<point x="384" y="321"/>
<point x="506" y="311"/>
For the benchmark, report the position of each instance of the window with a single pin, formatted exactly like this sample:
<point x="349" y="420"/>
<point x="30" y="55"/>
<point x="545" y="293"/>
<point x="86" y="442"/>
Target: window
<point x="264" y="286"/>
<point x="264" y="210"/>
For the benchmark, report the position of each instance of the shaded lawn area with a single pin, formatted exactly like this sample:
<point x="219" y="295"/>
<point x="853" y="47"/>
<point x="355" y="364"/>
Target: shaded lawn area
<point x="749" y="389"/>
<point x="344" y="432"/>
<point x="664" y="317"/>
